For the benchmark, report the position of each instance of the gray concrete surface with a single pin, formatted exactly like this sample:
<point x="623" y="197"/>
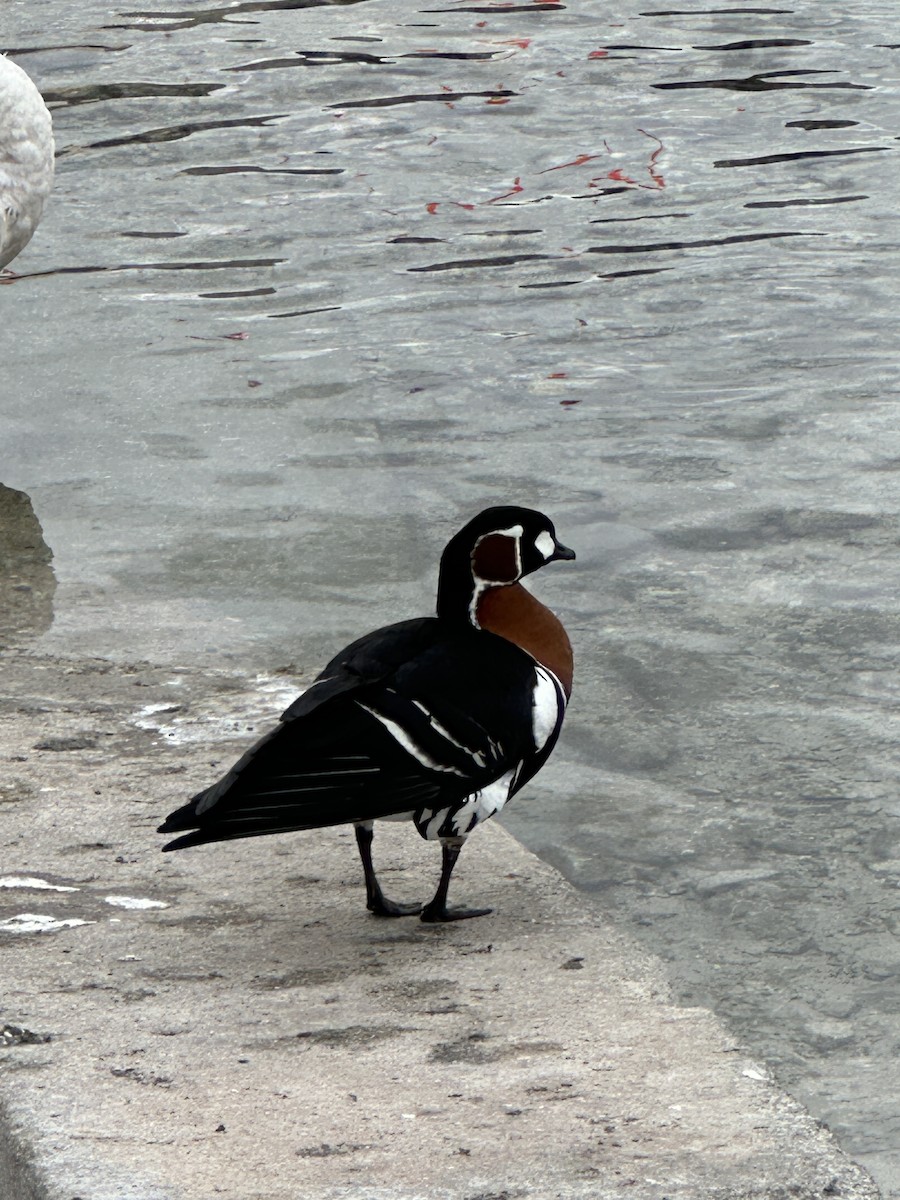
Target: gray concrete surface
<point x="231" y="1022"/>
<point x="230" y="330"/>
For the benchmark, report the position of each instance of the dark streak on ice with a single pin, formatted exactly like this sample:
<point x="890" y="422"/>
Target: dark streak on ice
<point x="775" y="158"/>
<point x="228" y="264"/>
<point x="249" y="169"/>
<point x="763" y="81"/>
<point x="206" y="16"/>
<point x="266" y="291"/>
<point x="499" y="9"/>
<point x="503" y="260"/>
<point x="471" y="55"/>
<point x="21" y="51"/>
<point x="758" y="44"/>
<point x="640" y="271"/>
<point x="333" y="58"/>
<point x="552" y="284"/>
<point x="173" y="133"/>
<point x="649" y="217"/>
<point x="415" y="97"/>
<point x="819" y="124"/>
<point x="708" y="12"/>
<point x="304" y="312"/>
<point x="612" y="46"/>
<point x="312" y="58"/>
<point x="95" y="92"/>
<point x="651" y="247"/>
<point x="605" y="191"/>
<point x="211" y="265"/>
<point x="802" y="201"/>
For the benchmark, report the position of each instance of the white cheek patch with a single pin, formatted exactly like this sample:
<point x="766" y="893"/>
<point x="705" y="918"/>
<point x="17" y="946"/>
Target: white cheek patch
<point x="545" y="545"/>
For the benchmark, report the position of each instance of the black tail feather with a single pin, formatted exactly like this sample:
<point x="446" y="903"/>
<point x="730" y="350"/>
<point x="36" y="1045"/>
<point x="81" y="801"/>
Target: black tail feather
<point x="182" y="818"/>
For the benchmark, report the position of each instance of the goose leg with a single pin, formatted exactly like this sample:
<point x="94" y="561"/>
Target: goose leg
<point x="376" y="901"/>
<point x="436" y="910"/>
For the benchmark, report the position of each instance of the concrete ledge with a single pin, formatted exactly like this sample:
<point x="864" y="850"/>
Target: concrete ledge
<point x="261" y="1037"/>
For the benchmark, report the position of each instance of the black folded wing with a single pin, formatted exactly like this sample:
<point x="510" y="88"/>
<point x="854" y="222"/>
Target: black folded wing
<point x="410" y="716"/>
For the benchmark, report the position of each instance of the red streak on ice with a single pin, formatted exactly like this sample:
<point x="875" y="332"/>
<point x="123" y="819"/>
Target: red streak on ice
<point x="576" y="162"/>
<point x="655" y="175"/>
<point x="514" y="191"/>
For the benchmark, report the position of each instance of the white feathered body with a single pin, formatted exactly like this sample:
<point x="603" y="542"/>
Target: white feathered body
<point x="26" y="159"/>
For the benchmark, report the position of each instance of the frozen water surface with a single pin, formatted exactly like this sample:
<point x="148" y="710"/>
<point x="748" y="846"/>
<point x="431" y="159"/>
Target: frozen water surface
<point x="319" y="280"/>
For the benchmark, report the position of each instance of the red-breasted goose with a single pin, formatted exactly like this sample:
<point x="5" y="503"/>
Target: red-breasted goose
<point x="437" y="719"/>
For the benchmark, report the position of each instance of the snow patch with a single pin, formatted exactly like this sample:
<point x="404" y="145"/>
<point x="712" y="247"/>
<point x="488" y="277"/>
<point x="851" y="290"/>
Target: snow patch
<point x="27" y="881"/>
<point x="38" y="923"/>
<point x="222" y="718"/>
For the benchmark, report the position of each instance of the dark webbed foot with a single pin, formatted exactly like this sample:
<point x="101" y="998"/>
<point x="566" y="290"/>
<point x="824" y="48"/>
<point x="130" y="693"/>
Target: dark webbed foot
<point x="433" y="913"/>
<point x="380" y="906"/>
<point x="436" y="910"/>
<point x="376" y="901"/>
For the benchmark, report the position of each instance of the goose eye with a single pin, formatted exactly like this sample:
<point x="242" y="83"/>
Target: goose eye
<point x="544" y="544"/>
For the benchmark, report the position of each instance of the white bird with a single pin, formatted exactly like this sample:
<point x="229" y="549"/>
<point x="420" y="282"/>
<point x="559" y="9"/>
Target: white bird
<point x="26" y="159"/>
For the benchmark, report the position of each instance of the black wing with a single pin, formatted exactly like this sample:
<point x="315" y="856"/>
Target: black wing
<point x="398" y="721"/>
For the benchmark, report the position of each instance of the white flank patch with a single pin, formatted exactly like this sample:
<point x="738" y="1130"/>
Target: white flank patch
<point x="434" y="822"/>
<point x="546" y="703"/>
<point x="482" y="805"/>
<point x="399" y="734"/>
<point x="26" y="881"/>
<point x="544" y="544"/>
<point x="38" y="923"/>
<point x="133" y="902"/>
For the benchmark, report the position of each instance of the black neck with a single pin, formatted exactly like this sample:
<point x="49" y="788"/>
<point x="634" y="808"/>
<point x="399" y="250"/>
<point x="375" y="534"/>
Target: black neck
<point x="456" y="585"/>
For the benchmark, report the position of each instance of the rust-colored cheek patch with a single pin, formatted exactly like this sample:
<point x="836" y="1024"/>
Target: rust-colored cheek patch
<point x="495" y="559"/>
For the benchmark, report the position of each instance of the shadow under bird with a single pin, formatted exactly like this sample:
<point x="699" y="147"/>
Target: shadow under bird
<point x="439" y="720"/>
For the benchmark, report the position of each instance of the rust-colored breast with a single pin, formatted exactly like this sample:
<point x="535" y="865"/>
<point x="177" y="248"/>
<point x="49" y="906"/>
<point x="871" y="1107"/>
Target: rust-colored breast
<point x="516" y="615"/>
